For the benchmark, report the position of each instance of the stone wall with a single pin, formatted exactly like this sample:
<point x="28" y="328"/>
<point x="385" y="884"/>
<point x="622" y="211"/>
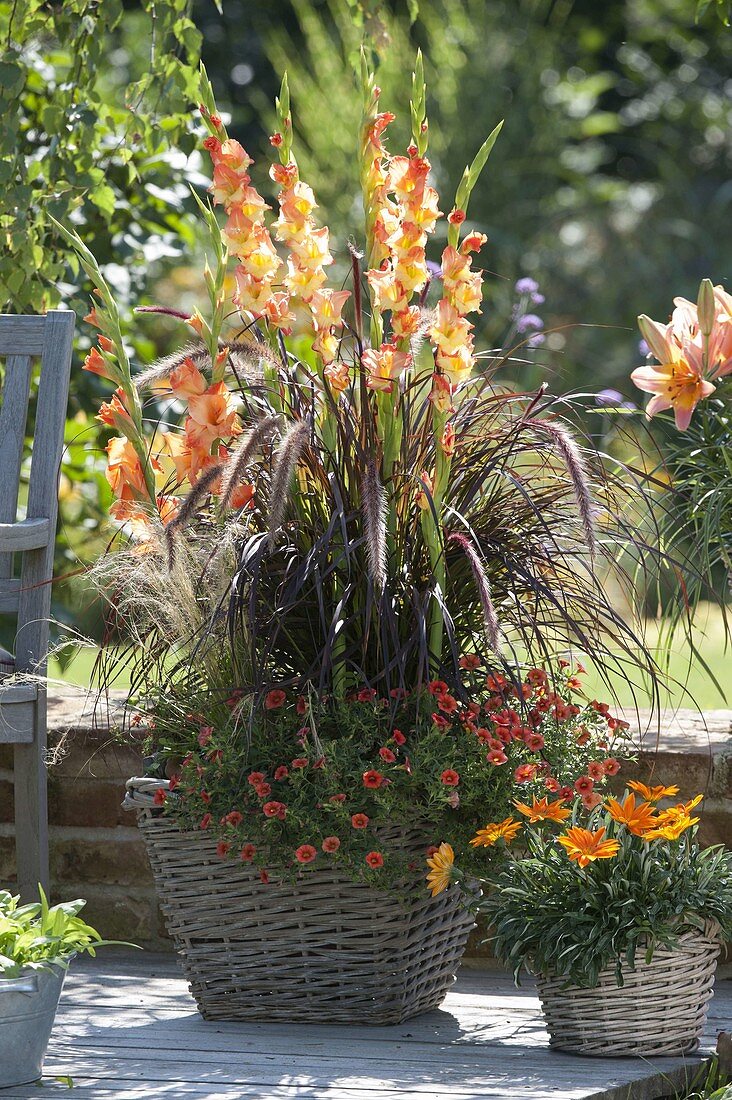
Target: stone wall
<point x="96" y="852"/>
<point x="95" y="849"/>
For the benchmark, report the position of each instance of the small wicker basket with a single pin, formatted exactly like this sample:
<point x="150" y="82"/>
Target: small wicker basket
<point x="659" y="1010"/>
<point x="326" y="949"/>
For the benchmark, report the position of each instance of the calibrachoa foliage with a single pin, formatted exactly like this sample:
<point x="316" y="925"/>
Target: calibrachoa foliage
<point x="324" y="784"/>
<point x="590" y="888"/>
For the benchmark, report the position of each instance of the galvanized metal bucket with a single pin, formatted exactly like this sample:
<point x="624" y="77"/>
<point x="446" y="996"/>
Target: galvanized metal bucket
<point x="27" y="1009"/>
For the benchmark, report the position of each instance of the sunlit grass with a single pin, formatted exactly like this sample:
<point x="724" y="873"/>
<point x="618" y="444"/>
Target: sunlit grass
<point x="689" y="685"/>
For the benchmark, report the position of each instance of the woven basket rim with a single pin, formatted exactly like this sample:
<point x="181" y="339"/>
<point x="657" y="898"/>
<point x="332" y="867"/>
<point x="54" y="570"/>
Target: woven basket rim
<point x="710" y="934"/>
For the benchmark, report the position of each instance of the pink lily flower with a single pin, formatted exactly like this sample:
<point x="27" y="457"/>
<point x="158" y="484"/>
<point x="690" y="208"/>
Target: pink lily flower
<point x="676" y="381"/>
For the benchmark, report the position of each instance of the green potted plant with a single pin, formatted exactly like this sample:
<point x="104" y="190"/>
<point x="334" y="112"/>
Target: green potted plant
<point x="692" y="377"/>
<point x="37" y="943"/>
<point x="618" y="913"/>
<point x="344" y="545"/>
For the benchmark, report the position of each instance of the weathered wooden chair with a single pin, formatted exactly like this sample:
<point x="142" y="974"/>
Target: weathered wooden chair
<point x="26" y="562"/>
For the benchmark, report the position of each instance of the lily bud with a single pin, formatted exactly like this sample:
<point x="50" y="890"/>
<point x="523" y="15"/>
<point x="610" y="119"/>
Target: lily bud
<point x="706" y="307"/>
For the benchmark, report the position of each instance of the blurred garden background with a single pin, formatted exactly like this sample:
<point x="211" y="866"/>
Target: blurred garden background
<point x="610" y="188"/>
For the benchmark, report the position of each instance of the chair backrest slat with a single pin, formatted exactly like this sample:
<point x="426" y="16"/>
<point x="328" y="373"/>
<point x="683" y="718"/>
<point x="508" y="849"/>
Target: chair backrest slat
<point x="22" y="337"/>
<point x="9" y="595"/>
<point x="13" y="416"/>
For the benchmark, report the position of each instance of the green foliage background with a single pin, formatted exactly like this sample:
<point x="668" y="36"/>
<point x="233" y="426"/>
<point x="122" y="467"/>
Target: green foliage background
<point x="610" y="184"/>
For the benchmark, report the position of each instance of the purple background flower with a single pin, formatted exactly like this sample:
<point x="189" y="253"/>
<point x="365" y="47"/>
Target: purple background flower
<point x="526" y="286"/>
<point x="528" y="321"/>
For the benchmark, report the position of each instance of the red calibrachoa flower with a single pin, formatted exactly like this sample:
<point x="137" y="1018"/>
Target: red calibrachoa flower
<point x="398" y="737"/>
<point x="375" y="859"/>
<point x="275" y="699"/>
<point x="373" y="779"/>
<point x="204" y="735"/>
<point x="281" y="773"/>
<point x="263" y="790"/>
<point x="331" y="844"/>
<point x="497" y="757"/>
<point x="359" y="821"/>
<point x="223" y="848"/>
<point x="159" y="797"/>
<point x="584" y="785"/>
<point x="595" y="770"/>
<point x="305" y="853"/>
<point x="263" y="876"/>
<point x="524" y="773"/>
<point x="437" y="687"/>
<point x="611" y="766"/>
<point x="275" y="809"/>
<point x="255" y="778"/>
<point x="233" y="818"/>
<point x="447" y="704"/>
<point x="337" y="798"/>
<point x="300" y="762"/>
<point x="450" y="778"/>
<point x="205" y="821"/>
<point x="440" y="721"/>
<point x="387" y="755"/>
<point x="247" y="853"/>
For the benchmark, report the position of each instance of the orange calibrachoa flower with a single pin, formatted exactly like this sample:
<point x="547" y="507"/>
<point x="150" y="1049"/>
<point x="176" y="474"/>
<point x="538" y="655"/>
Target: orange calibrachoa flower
<point x="636" y="818"/>
<point x="652" y="794"/>
<point x="543" y="810"/>
<point x="502" y="830"/>
<point x="584" y="846"/>
<point x="440" y="873"/>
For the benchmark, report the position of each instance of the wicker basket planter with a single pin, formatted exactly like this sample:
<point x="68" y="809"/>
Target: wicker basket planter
<point x="660" y="1010"/>
<point x="326" y="949"/>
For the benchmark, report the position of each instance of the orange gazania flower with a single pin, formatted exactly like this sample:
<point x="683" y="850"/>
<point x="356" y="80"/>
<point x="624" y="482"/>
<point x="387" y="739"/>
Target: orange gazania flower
<point x="637" y="819"/>
<point x="671" y="823"/>
<point x="440" y="873"/>
<point x="543" y="810"/>
<point x="500" y="830"/>
<point x="583" y="846"/>
<point x="673" y="829"/>
<point x="652" y="794"/>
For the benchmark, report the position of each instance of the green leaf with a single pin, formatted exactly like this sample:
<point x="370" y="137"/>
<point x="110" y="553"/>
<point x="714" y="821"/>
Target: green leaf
<point x="12" y="78"/>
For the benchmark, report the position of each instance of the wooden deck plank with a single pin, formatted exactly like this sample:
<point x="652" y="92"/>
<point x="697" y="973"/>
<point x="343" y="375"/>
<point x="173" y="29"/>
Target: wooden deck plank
<point x="127" y="1027"/>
